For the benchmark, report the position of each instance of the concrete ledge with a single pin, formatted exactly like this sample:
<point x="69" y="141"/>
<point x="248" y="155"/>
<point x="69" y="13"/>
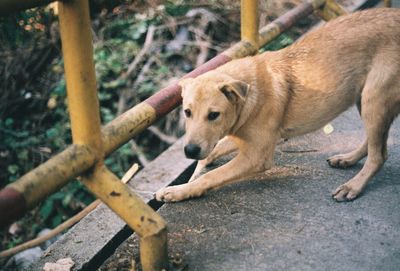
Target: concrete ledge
<point x="90" y="242"/>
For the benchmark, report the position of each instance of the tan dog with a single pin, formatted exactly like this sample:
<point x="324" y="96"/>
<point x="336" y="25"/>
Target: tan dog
<point x="252" y="102"/>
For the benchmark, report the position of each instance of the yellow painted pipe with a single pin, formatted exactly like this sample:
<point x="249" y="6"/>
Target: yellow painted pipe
<point x="152" y="249"/>
<point x="336" y="7"/>
<point x="249" y="21"/>
<point x="316" y="3"/>
<point x="287" y="20"/>
<point x="52" y="175"/>
<point x="127" y="125"/>
<point x="148" y="224"/>
<point x="331" y="10"/>
<point x="83" y="104"/>
<point x="85" y="123"/>
<point x="387" y="3"/>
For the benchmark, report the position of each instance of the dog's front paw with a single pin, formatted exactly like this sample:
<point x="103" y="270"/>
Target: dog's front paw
<point x="172" y="193"/>
<point x="341" y="161"/>
<point x="345" y="192"/>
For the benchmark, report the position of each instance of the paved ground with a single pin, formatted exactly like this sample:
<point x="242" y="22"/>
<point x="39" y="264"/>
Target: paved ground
<point x="289" y="221"/>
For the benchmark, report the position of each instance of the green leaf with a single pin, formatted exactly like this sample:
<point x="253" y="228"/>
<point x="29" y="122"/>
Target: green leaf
<point x="176" y="10"/>
<point x="51" y="133"/>
<point x="13" y="169"/>
<point x="56" y="220"/>
<point x="14" y="242"/>
<point x="115" y="83"/>
<point x="163" y="69"/>
<point x="9" y="122"/>
<point x="67" y="200"/>
<point x="58" y="195"/>
<point x="23" y="155"/>
<point x="46" y="209"/>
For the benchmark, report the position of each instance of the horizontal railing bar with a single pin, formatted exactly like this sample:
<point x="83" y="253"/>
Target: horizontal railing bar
<point x="25" y="193"/>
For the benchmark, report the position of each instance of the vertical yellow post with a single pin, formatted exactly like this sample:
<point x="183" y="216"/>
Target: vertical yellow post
<point x="85" y="124"/>
<point x="331" y="10"/>
<point x="336" y="8"/>
<point x="387" y="3"/>
<point x="249" y="21"/>
<point x="80" y="75"/>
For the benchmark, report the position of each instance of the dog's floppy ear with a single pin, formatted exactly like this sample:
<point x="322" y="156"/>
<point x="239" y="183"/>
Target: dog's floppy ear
<point x="235" y="90"/>
<point x="184" y="83"/>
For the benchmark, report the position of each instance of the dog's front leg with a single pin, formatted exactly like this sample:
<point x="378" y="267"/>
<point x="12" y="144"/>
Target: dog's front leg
<point x="224" y="147"/>
<point x="251" y="161"/>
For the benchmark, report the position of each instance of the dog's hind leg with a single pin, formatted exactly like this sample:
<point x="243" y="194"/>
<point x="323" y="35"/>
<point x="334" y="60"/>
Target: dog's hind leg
<point x="378" y="111"/>
<point x="223" y="147"/>
<point x="351" y="158"/>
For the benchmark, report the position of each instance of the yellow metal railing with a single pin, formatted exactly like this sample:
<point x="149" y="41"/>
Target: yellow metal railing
<point x="84" y="111"/>
<point x="91" y="143"/>
<point x="387" y="3"/>
<point x="249" y="21"/>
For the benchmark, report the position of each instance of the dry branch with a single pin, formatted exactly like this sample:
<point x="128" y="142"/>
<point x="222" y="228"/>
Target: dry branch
<point x="169" y="139"/>
<point x="146" y="48"/>
<point x="140" y="155"/>
<point x="128" y="93"/>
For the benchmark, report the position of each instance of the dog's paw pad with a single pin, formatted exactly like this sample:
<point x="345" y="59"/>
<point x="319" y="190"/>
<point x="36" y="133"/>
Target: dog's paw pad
<point x="344" y="193"/>
<point x="339" y="161"/>
<point x="170" y="194"/>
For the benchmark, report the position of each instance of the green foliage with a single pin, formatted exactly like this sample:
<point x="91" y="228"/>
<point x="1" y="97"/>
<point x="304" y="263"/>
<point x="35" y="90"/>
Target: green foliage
<point x="111" y="58"/>
<point x="14" y="242"/>
<point x="282" y="41"/>
<point x="60" y="205"/>
<point x="174" y="9"/>
<point x="18" y="28"/>
<point x="26" y="144"/>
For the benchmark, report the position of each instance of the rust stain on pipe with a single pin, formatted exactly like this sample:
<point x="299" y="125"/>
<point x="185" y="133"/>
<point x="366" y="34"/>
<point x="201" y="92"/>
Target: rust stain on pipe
<point x="12" y="205"/>
<point x="41" y="182"/>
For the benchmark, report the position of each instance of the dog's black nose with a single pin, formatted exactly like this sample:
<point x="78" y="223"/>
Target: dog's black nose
<point x="192" y="151"/>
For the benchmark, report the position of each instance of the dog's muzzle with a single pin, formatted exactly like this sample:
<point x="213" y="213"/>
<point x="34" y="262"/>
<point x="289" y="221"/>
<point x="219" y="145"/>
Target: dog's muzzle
<point x="192" y="151"/>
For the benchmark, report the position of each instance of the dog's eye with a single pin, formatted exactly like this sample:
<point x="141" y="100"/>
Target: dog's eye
<point x="213" y="115"/>
<point x="188" y="113"/>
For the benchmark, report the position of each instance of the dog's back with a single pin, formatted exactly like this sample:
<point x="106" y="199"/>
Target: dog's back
<point x="338" y="59"/>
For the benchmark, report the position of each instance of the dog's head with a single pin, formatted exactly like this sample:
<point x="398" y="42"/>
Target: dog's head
<point x="211" y="103"/>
